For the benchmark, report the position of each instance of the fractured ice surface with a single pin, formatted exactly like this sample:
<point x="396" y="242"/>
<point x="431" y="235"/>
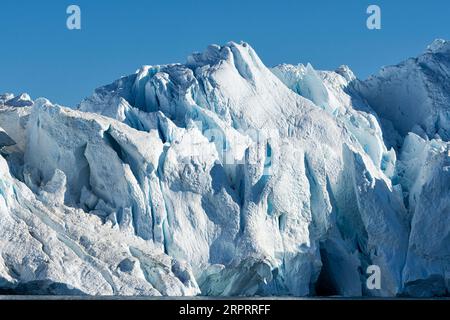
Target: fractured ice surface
<point x="223" y="177"/>
<point x="414" y="95"/>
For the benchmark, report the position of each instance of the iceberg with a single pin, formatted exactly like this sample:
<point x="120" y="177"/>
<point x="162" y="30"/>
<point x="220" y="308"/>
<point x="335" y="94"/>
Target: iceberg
<point x="224" y="177"/>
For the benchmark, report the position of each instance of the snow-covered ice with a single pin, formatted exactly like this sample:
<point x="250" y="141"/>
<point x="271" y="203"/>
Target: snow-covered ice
<point x="221" y="176"/>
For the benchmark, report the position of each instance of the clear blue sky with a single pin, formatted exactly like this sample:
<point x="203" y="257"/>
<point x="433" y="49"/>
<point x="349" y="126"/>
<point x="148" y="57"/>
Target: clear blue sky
<point x="40" y="56"/>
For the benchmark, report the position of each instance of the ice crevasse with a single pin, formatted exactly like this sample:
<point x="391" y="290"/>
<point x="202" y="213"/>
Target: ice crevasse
<point x="223" y="177"/>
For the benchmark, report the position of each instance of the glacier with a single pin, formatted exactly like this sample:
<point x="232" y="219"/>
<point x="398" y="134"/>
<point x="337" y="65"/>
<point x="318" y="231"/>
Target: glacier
<point x="223" y="177"/>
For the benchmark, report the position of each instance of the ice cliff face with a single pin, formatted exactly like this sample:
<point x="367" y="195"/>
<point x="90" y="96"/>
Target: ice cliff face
<point x="223" y="177"/>
<point x="414" y="96"/>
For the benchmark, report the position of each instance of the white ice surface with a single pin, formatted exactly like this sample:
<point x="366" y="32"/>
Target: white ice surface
<point x="221" y="177"/>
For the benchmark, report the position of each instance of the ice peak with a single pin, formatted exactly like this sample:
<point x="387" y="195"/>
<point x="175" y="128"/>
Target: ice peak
<point x="212" y="55"/>
<point x="22" y="100"/>
<point x="414" y="85"/>
<point x="346" y="72"/>
<point x="240" y="54"/>
<point x="438" y="45"/>
<point x="6" y="96"/>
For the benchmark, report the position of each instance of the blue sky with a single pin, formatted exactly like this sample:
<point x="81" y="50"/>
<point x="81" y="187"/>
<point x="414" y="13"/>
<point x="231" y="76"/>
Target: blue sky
<point x="39" y="55"/>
